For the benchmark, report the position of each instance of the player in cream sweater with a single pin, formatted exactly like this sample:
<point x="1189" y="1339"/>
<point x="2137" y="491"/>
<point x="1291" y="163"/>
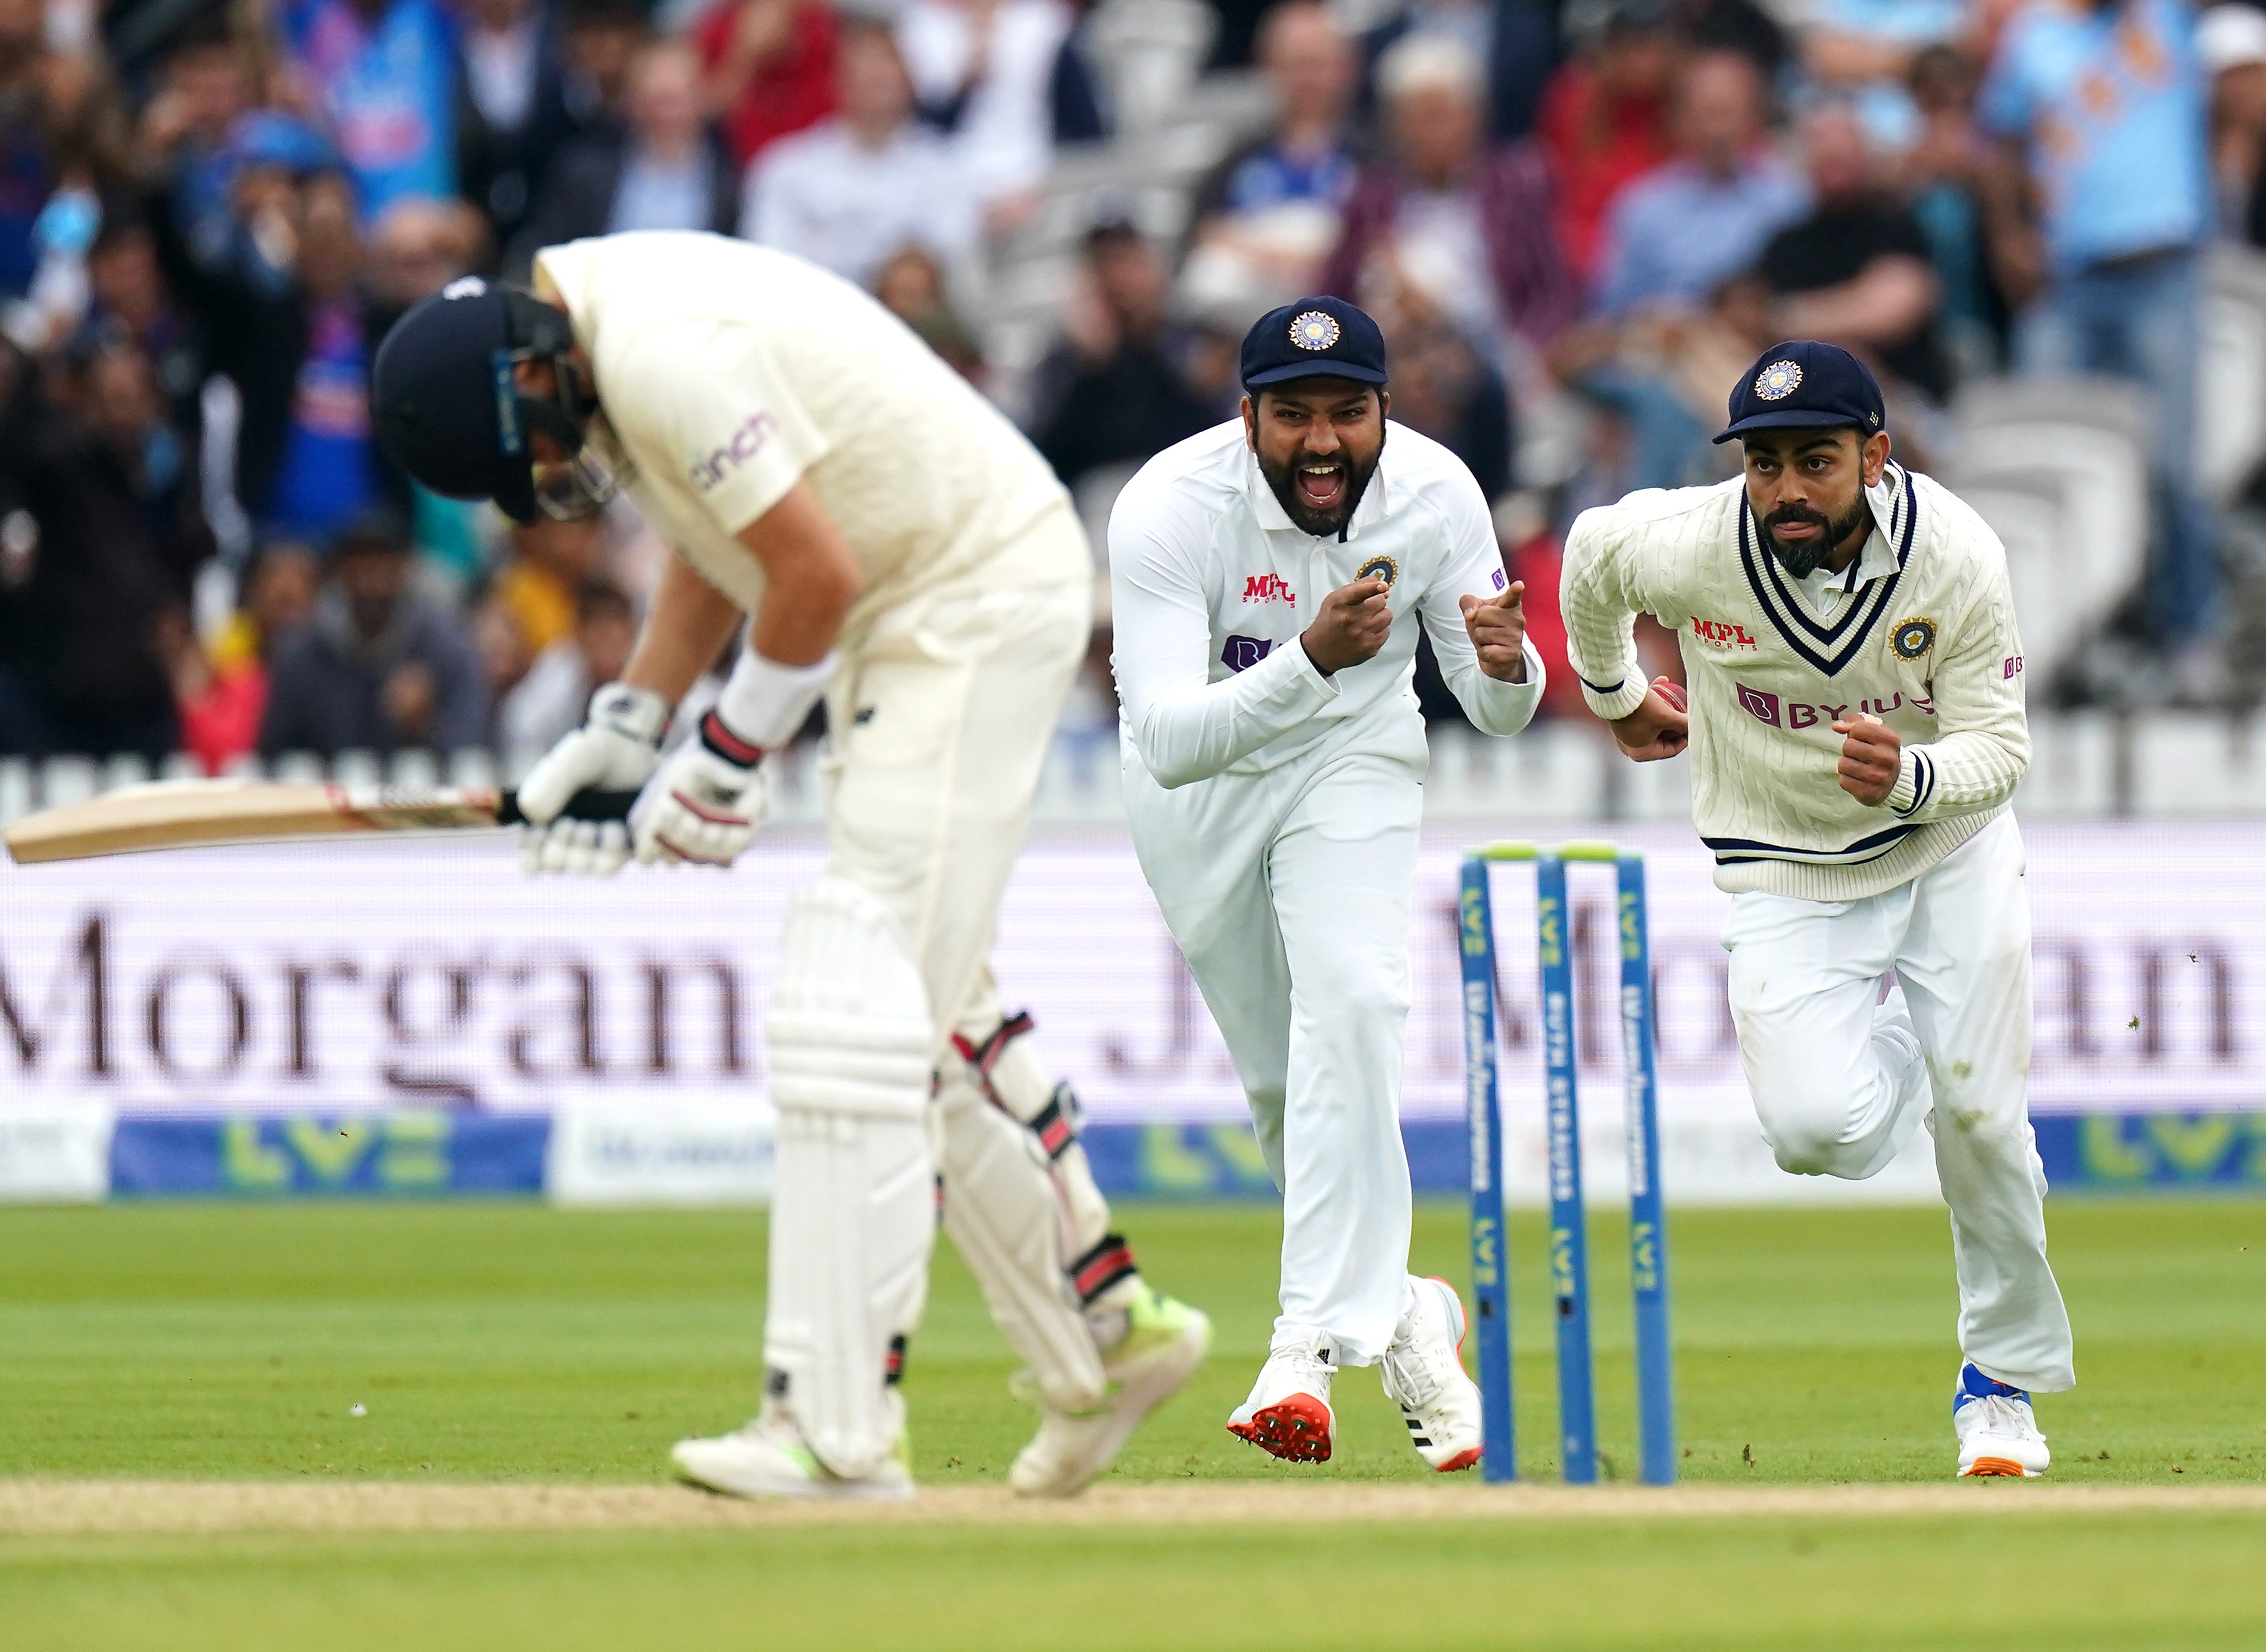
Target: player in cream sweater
<point x="1856" y="733"/>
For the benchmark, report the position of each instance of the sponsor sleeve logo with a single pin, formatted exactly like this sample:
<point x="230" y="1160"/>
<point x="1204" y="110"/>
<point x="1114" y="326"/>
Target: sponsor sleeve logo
<point x="1242" y="652"/>
<point x="2013" y="668"/>
<point x="1500" y="580"/>
<point x="710" y="469"/>
<point x="1913" y="638"/>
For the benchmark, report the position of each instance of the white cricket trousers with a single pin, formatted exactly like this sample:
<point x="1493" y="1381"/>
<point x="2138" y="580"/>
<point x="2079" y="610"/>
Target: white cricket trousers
<point x="1289" y="894"/>
<point x="1840" y="1079"/>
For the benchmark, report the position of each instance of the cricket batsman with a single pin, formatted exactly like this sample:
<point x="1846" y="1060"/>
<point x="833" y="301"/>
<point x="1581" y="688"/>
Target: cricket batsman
<point x="897" y="548"/>
<point x="1269" y="578"/>
<point x="1856" y="729"/>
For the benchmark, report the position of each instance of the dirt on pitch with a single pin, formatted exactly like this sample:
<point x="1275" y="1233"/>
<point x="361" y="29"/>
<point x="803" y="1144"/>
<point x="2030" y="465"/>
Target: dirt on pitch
<point x="57" y="1507"/>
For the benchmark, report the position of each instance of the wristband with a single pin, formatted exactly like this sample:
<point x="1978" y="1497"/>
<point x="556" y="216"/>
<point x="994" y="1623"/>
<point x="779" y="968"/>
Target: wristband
<point x="765" y="702"/>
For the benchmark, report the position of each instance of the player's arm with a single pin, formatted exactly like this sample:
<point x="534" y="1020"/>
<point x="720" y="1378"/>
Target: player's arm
<point x="1184" y="726"/>
<point x="1474" y="615"/>
<point x="706" y="803"/>
<point x="687" y="623"/>
<point x="1600" y="595"/>
<point x="1982" y="749"/>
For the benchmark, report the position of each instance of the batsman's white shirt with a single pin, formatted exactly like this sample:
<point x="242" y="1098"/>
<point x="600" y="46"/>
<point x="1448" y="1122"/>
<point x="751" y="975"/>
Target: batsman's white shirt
<point x="1275" y="814"/>
<point x="729" y="372"/>
<point x="1830" y="895"/>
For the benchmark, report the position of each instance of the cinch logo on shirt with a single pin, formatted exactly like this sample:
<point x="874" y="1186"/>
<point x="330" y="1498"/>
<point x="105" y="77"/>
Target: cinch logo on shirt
<point x="1242" y="652"/>
<point x="1794" y="714"/>
<point x="2013" y="668"/>
<point x="746" y="442"/>
<point x="1267" y="588"/>
<point x="1723" y="634"/>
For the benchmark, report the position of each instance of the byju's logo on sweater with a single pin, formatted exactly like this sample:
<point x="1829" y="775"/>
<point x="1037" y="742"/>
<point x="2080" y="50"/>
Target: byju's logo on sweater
<point x="1796" y="714"/>
<point x="1242" y="652"/>
<point x="1267" y="588"/>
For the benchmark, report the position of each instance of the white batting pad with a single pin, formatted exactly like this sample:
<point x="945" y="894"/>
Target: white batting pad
<point x="1007" y="1217"/>
<point x="853" y="1217"/>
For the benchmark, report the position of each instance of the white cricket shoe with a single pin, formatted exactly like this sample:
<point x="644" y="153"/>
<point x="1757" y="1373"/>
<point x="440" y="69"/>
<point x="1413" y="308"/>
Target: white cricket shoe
<point x="1164" y="1341"/>
<point x="1423" y="1372"/>
<point x="1288" y="1411"/>
<point x="1998" y="1432"/>
<point x="769" y="1459"/>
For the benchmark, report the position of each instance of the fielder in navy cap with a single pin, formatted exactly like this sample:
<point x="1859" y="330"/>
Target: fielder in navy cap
<point x="1815" y="433"/>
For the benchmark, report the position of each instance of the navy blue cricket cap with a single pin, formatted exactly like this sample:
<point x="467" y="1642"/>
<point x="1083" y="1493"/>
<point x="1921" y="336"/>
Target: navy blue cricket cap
<point x="1804" y="385"/>
<point x="446" y="409"/>
<point x="1315" y="338"/>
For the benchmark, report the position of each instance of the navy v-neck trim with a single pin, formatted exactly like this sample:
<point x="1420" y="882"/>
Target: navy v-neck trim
<point x="1784" y="607"/>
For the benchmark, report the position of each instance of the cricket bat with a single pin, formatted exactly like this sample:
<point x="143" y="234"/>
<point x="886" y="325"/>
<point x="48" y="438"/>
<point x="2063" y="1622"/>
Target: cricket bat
<point x="198" y="814"/>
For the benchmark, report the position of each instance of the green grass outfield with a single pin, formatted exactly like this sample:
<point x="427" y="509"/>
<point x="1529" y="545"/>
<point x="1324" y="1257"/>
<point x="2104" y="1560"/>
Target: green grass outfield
<point x="515" y="1344"/>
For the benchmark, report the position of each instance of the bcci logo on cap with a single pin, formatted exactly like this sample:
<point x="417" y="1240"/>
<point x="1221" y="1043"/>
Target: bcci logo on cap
<point x="1314" y="331"/>
<point x="1778" y="381"/>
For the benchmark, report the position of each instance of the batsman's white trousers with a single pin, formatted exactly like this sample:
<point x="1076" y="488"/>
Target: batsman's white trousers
<point x="1839" y="1079"/>
<point x="941" y="719"/>
<point x="1289" y="894"/>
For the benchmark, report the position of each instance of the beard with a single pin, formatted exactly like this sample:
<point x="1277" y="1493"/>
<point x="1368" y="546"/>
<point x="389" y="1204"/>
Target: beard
<point x="1801" y="561"/>
<point x="1321" y="521"/>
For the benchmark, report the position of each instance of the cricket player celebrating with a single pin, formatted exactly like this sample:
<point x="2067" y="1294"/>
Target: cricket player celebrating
<point x="1268" y="577"/>
<point x="1857" y="732"/>
<point x="899" y="549"/>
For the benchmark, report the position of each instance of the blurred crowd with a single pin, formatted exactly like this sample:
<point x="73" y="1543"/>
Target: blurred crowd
<point x="1577" y="221"/>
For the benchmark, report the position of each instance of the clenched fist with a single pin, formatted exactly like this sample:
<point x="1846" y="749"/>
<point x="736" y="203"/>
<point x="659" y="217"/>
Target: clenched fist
<point x="1497" y="627"/>
<point x="1659" y="727"/>
<point x="1872" y="756"/>
<point x="1351" y="626"/>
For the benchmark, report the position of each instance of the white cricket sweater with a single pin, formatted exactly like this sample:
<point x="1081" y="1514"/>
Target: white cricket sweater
<point x="1926" y="640"/>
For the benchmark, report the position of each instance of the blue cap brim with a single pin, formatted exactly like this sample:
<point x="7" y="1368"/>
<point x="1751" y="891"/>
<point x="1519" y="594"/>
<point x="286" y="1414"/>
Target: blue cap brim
<point x="1321" y="368"/>
<point x="1789" y="418"/>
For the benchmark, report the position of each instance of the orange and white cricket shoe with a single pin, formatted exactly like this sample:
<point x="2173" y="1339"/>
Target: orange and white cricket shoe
<point x="1998" y="1431"/>
<point x="1288" y="1411"/>
<point x="1423" y="1372"/>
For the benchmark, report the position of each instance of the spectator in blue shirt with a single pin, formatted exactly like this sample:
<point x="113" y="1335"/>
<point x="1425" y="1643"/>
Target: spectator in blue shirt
<point x="1678" y="232"/>
<point x="2102" y="102"/>
<point x="382" y="73"/>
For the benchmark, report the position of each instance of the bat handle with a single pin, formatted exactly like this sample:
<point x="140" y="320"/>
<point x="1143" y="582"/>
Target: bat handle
<point x="590" y="803"/>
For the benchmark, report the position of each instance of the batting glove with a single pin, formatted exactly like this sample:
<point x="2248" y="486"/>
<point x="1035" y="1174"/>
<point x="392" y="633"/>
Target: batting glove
<point x="616" y="750"/>
<point x="705" y="804"/>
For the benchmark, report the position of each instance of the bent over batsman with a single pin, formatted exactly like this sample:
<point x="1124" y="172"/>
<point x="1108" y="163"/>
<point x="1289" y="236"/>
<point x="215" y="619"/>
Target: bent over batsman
<point x="899" y="550"/>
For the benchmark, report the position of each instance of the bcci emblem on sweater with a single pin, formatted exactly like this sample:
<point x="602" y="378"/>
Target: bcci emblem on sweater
<point x="1913" y="638"/>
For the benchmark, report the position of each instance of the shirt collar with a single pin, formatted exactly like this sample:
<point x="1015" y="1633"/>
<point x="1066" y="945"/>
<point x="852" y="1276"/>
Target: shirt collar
<point x="1877" y="558"/>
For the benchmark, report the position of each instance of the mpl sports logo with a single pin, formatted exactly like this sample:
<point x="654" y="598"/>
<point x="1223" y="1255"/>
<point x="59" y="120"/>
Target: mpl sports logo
<point x="1267" y="588"/>
<point x="710" y="469"/>
<point x="1722" y="633"/>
